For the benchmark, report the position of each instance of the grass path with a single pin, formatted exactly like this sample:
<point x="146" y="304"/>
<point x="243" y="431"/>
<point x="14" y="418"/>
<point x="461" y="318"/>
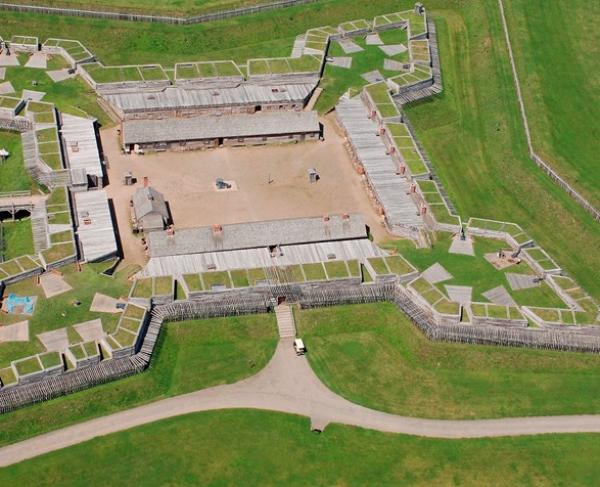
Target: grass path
<point x="373" y="356"/>
<point x="261" y="448"/>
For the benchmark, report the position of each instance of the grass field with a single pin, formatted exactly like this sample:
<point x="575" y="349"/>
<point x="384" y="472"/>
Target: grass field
<point x="372" y="355"/>
<point x="556" y="57"/>
<point x="191" y="355"/>
<point x="151" y="7"/>
<point x="13" y="176"/>
<point x="17" y="237"/>
<point x="261" y="448"/>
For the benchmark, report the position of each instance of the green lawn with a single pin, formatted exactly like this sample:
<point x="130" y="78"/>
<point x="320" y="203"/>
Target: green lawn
<point x="72" y="96"/>
<point x="13" y="176"/>
<point x="17" y="237"/>
<point x="476" y="271"/>
<point x="190" y="355"/>
<point x="475" y="139"/>
<point x="372" y="355"/>
<point x="257" y="448"/>
<point x="559" y="80"/>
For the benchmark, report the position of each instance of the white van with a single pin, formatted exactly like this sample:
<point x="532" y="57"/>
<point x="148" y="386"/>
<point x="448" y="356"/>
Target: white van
<point x="299" y="347"/>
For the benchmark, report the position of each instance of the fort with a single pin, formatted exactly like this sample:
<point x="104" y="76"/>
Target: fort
<point x="238" y="229"/>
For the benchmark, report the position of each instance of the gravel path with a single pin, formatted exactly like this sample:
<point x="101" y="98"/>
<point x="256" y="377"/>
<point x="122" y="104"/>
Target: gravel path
<point x="288" y="384"/>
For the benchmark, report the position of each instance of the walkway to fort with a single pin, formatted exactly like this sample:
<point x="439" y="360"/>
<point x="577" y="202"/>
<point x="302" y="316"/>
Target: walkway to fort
<point x="288" y="384"/>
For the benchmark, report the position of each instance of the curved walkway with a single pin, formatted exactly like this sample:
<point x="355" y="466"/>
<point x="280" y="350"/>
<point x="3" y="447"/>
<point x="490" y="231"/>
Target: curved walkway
<point x="288" y="384"/>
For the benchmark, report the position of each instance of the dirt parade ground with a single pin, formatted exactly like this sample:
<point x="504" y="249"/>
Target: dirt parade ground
<point x="269" y="182"/>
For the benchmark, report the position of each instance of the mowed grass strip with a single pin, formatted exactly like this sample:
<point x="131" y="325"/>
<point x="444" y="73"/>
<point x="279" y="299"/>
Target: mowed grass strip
<point x="374" y="356"/>
<point x="235" y="447"/>
<point x="190" y="355"/>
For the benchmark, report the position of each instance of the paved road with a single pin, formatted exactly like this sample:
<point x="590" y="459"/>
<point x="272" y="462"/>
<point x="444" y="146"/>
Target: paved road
<point x="288" y="384"/>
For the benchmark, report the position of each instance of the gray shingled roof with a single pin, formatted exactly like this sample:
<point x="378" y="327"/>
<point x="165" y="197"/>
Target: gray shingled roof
<point x="147" y="201"/>
<point x="256" y="235"/>
<point x="97" y="238"/>
<point x="213" y="127"/>
<point x="81" y="145"/>
<point x="244" y="94"/>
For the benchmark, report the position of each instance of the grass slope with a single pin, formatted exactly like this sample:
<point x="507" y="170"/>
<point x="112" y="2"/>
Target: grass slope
<point x="261" y="448"/>
<point x="72" y="96"/>
<point x="151" y="7"/>
<point x="191" y="355"/>
<point x="269" y="34"/>
<point x="402" y="372"/>
<point x="556" y="56"/>
<point x="13" y="176"/>
<point x="474" y="136"/>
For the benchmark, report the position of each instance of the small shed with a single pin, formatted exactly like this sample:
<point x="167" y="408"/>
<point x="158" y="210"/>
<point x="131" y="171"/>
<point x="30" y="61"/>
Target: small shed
<point x="150" y="211"/>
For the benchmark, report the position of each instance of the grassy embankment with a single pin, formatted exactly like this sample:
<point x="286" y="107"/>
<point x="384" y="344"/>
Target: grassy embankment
<point x="17" y="238"/>
<point x="474" y="136"/>
<point x="13" y="176"/>
<point x="402" y="372"/>
<point x="181" y="8"/>
<point x="267" y="34"/>
<point x="72" y="96"/>
<point x="556" y="56"/>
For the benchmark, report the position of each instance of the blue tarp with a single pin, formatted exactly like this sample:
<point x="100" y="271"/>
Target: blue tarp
<point x="14" y="301"/>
